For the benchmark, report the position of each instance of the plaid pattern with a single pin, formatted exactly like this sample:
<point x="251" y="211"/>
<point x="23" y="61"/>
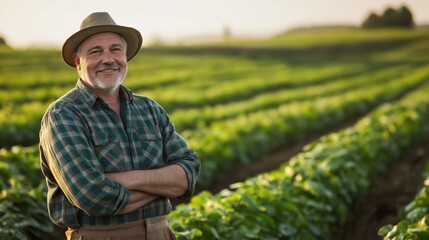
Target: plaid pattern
<point x="81" y="138"/>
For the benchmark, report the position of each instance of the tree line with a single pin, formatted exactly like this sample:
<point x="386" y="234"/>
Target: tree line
<point x="390" y="18"/>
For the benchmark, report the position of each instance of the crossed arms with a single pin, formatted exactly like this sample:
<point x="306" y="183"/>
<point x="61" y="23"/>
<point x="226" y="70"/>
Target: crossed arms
<point x="145" y="186"/>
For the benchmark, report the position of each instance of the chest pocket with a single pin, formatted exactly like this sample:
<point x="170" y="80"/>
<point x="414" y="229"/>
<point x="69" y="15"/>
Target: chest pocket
<point x="108" y="151"/>
<point x="149" y="148"/>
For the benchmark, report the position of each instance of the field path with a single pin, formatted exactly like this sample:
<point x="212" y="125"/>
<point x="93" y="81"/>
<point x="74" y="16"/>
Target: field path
<point x="270" y="161"/>
<point x="391" y="193"/>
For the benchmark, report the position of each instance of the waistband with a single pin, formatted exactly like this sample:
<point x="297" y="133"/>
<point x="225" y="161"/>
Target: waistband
<point x="159" y="207"/>
<point x="136" y="228"/>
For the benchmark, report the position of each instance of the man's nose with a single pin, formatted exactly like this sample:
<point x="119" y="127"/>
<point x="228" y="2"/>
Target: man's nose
<point x="107" y="57"/>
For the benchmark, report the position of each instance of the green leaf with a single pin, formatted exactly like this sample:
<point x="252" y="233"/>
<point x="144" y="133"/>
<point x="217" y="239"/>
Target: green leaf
<point x="286" y="230"/>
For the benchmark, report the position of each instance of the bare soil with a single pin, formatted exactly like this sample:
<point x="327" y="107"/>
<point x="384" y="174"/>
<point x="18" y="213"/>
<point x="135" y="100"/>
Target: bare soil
<point x="270" y="161"/>
<point x="390" y="194"/>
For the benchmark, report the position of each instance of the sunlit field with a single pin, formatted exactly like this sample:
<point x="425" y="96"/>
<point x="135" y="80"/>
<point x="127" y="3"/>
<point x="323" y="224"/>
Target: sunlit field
<point x="356" y="98"/>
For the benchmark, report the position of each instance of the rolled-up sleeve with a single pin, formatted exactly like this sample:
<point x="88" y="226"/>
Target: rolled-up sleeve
<point x="68" y="152"/>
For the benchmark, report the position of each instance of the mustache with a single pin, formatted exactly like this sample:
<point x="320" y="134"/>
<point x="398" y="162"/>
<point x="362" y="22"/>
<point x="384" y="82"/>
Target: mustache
<point x="105" y="67"/>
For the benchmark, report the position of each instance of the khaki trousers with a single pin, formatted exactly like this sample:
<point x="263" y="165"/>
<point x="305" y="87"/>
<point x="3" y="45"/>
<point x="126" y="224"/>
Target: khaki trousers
<point x="155" y="228"/>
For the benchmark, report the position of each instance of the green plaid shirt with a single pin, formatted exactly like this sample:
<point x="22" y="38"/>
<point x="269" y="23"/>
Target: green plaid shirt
<point x="81" y="138"/>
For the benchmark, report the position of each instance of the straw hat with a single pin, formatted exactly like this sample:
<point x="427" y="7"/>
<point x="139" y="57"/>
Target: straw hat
<point x="97" y="23"/>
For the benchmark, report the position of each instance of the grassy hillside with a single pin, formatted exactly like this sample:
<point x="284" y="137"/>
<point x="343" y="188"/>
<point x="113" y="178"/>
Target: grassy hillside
<point x="306" y="38"/>
<point x="314" y="43"/>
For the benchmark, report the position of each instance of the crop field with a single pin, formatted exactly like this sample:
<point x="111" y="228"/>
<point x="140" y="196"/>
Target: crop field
<point x="338" y="108"/>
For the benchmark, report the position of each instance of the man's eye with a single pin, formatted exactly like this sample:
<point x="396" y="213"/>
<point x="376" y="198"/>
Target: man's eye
<point x="93" y="52"/>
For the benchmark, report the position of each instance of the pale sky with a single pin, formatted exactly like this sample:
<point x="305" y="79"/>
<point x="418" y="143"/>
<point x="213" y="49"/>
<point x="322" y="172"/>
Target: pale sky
<point x="27" y="23"/>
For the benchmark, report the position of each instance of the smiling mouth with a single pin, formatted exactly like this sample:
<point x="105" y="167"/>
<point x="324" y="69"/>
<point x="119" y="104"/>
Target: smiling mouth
<point x="107" y="70"/>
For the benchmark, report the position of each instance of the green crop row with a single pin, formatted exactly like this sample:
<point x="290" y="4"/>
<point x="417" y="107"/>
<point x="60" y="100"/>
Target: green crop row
<point x="20" y="125"/>
<point x="13" y="60"/>
<point x="26" y="94"/>
<point x="310" y="196"/>
<point x="23" y="212"/>
<point x="20" y="167"/>
<point x="171" y="71"/>
<point x="414" y="224"/>
<point x="20" y="171"/>
<point x="303" y="39"/>
<point x="13" y="98"/>
<point x="190" y="118"/>
<point x="226" y="145"/>
<point x="217" y="78"/>
<point x="247" y="86"/>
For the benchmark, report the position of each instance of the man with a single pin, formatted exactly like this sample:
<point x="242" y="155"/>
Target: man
<point x="112" y="159"/>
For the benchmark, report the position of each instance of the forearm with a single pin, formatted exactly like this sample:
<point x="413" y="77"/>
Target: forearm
<point x="170" y="181"/>
<point x="137" y="200"/>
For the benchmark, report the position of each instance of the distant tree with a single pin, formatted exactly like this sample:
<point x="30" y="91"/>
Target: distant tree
<point x="373" y="21"/>
<point x="401" y="17"/>
<point x="390" y="18"/>
<point x="406" y="16"/>
<point x="2" y="41"/>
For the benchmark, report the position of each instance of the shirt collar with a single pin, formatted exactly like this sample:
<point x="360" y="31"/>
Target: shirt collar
<point x="90" y="97"/>
<point x="126" y="94"/>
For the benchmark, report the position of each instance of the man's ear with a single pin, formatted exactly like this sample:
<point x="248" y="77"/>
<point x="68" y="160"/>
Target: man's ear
<point x="76" y="61"/>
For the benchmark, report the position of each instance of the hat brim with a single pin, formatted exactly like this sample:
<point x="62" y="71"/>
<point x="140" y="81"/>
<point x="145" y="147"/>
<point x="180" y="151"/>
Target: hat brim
<point x="132" y="37"/>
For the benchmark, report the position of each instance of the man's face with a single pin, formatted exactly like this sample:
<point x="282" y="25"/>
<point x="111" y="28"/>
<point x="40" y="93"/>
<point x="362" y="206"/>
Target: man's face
<point x="101" y="61"/>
